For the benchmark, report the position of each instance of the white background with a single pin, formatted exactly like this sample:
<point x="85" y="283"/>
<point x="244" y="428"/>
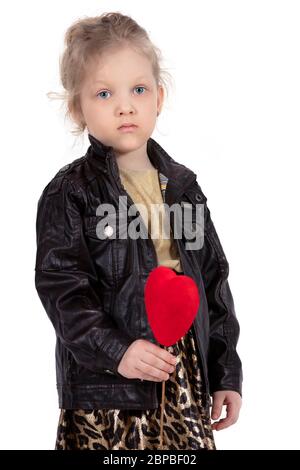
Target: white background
<point x="232" y="117"/>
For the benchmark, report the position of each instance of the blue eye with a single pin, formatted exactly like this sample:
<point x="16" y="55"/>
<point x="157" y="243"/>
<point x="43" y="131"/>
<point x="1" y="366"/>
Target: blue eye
<point x="104" y="91"/>
<point x="140" y="88"/>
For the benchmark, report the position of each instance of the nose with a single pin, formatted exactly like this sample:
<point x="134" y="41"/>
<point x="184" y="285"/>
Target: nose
<point x="125" y="110"/>
<point x="125" y="106"/>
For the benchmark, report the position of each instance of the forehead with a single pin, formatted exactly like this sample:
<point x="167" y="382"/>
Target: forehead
<point x="136" y="79"/>
<point x="118" y="66"/>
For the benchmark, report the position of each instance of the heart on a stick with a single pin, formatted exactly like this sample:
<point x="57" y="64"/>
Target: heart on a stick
<point x="171" y="303"/>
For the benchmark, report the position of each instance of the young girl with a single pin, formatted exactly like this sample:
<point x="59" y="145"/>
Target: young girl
<point x="91" y="278"/>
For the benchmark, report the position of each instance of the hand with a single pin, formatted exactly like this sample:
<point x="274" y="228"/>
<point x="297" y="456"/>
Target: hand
<point x="146" y="361"/>
<point x="233" y="402"/>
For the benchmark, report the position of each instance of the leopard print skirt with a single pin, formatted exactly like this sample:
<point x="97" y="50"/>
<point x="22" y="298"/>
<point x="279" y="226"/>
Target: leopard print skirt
<point x="186" y="424"/>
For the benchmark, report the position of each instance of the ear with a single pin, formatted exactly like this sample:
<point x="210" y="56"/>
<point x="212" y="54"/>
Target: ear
<point x="160" y="98"/>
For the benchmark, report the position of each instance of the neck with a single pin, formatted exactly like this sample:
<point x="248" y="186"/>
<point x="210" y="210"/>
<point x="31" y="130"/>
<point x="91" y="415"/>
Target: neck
<point x="135" y="160"/>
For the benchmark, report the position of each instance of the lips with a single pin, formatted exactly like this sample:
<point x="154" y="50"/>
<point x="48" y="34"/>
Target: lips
<point x="127" y="126"/>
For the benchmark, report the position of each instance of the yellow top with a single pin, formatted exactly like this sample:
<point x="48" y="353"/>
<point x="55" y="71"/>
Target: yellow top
<point x="143" y="186"/>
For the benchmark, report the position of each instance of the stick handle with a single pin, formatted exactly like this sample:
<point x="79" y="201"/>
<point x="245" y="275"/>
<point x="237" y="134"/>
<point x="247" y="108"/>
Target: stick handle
<point x="162" y="414"/>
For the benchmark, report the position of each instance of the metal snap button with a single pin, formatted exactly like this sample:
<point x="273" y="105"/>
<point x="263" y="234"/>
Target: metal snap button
<point x="108" y="231"/>
<point x="198" y="197"/>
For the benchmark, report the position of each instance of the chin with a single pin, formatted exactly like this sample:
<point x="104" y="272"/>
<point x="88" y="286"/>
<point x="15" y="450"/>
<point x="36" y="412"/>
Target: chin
<point x="130" y="143"/>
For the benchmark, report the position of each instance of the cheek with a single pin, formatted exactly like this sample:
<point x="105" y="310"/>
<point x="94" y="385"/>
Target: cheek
<point x="148" y="109"/>
<point x="151" y="102"/>
<point x="151" y="116"/>
<point x="90" y="105"/>
<point x="94" y="112"/>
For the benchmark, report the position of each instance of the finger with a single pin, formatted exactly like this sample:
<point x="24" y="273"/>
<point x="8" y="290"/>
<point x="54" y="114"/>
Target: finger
<point x="151" y="378"/>
<point x="147" y="369"/>
<point x="162" y="354"/>
<point x="158" y="363"/>
<point x="223" y="423"/>
<point x="216" y="407"/>
<point x="231" y="418"/>
<point x="230" y="410"/>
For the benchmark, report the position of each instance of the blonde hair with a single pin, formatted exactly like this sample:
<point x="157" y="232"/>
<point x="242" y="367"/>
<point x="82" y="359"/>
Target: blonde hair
<point x="88" y="38"/>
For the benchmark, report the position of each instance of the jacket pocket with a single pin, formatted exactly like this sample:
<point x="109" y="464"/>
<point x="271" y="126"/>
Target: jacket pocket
<point x="110" y="246"/>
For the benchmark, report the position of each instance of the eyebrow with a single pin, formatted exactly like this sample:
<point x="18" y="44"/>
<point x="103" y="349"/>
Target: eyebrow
<point x="104" y="83"/>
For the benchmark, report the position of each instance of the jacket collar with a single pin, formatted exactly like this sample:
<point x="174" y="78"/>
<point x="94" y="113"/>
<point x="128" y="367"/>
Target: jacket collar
<point x="103" y="160"/>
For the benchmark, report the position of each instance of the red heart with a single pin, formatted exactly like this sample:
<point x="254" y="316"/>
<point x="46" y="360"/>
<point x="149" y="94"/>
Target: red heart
<point x="171" y="303"/>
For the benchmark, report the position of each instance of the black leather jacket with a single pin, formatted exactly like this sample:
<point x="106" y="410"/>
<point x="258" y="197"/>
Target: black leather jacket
<point x="93" y="290"/>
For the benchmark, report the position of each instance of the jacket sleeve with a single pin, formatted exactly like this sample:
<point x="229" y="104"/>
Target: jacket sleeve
<point x="224" y="364"/>
<point x="66" y="281"/>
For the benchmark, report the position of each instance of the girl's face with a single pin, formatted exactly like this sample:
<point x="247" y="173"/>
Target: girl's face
<point x="120" y="88"/>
